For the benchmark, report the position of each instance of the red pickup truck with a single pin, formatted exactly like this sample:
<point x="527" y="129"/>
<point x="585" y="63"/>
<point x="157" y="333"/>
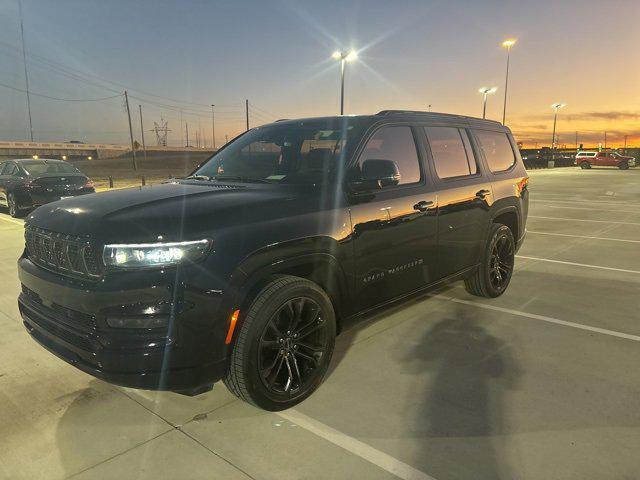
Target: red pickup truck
<point x="604" y="159"/>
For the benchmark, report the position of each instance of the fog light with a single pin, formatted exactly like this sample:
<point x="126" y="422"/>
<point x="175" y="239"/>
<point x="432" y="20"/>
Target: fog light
<point x="138" y="322"/>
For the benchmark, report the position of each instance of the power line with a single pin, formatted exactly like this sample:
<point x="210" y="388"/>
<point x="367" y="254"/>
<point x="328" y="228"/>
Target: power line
<point x="78" y="74"/>
<point x="57" y="98"/>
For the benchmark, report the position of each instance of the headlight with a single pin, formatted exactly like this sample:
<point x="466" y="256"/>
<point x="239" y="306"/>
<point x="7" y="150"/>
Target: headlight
<point x="145" y="255"/>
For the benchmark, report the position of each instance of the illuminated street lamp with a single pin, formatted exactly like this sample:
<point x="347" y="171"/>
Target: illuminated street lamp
<point x="556" y="107"/>
<point x="507" y="44"/>
<point x="344" y="57"/>
<point x="486" y="91"/>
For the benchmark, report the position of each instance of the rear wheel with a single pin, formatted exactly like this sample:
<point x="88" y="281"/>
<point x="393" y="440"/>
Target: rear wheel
<point x="492" y="277"/>
<point x="585" y="165"/>
<point x="284" y="345"/>
<point x="12" y="205"/>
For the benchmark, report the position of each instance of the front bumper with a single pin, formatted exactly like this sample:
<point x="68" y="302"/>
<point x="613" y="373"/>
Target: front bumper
<point x="68" y="317"/>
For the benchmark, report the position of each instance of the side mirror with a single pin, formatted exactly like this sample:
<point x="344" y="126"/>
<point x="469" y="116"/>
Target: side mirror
<point x="377" y="174"/>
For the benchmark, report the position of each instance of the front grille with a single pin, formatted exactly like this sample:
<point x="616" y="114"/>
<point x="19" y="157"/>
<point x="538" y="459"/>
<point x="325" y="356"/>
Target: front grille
<point x="66" y="254"/>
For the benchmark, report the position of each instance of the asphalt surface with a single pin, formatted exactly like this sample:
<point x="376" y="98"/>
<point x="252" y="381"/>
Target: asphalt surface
<point x="540" y="383"/>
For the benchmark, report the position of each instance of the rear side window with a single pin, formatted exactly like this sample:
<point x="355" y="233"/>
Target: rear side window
<point x="497" y="150"/>
<point x="451" y="150"/>
<point x="9" y="169"/>
<point x="396" y="144"/>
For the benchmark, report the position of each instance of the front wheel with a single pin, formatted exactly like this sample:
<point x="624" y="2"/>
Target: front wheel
<point x="585" y="165"/>
<point x="623" y="166"/>
<point x="492" y="277"/>
<point x="284" y="345"/>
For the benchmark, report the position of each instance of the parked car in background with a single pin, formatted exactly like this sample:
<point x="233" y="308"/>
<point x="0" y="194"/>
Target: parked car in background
<point x="247" y="269"/>
<point x="586" y="159"/>
<point x="29" y="183"/>
<point x="541" y="158"/>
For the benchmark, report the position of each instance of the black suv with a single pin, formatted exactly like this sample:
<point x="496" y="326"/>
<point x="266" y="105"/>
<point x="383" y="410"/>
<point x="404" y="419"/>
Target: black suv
<point x="247" y="269"/>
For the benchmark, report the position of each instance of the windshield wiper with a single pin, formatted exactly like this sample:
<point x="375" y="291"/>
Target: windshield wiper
<point x="239" y="178"/>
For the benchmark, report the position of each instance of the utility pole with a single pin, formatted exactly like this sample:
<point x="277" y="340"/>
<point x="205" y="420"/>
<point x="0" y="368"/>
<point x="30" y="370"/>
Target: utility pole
<point x="625" y="144"/>
<point x="186" y="124"/>
<point x="26" y="75"/>
<point x="576" y="142"/>
<point x="181" y="131"/>
<point x="605" y="139"/>
<point x="144" y="147"/>
<point x="246" y="109"/>
<point x="213" y="126"/>
<point x="133" y="150"/>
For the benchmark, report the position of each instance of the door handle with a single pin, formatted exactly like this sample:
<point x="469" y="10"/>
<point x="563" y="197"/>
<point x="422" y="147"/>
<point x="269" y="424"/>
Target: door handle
<point x="483" y="193"/>
<point x="423" y="205"/>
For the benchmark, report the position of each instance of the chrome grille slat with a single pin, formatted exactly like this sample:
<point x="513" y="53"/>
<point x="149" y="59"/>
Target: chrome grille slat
<point x="65" y="254"/>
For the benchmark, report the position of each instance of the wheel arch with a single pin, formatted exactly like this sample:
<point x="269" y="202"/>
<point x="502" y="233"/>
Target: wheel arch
<point x="317" y="264"/>
<point x="510" y="216"/>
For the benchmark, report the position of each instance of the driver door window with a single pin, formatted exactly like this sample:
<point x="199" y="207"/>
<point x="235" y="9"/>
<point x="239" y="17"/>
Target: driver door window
<point x="398" y="145"/>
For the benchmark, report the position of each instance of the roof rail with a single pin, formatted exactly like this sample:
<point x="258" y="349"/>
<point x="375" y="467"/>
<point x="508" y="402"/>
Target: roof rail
<point x="439" y="114"/>
<point x="389" y="112"/>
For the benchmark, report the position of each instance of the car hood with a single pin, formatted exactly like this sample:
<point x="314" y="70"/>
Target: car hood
<point x="173" y="211"/>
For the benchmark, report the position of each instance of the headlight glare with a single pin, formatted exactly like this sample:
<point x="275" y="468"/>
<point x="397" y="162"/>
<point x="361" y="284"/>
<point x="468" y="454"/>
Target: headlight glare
<point x="145" y="255"/>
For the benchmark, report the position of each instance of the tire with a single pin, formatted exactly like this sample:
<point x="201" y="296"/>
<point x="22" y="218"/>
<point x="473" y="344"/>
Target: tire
<point x="12" y="206"/>
<point x="491" y="279"/>
<point x="623" y="166"/>
<point x="585" y="165"/>
<point x="274" y="351"/>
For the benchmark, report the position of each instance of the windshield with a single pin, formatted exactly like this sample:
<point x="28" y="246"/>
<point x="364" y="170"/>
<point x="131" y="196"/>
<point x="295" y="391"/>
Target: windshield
<point x="300" y="153"/>
<point x="48" y="168"/>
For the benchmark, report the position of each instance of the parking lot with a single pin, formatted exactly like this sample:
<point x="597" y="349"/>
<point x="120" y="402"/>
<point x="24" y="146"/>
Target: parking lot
<point x="541" y="383"/>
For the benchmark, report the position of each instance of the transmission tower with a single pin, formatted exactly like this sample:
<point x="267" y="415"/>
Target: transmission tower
<point x="161" y="130"/>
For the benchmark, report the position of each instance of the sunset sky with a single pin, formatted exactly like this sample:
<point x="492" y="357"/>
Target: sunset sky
<point x="185" y="55"/>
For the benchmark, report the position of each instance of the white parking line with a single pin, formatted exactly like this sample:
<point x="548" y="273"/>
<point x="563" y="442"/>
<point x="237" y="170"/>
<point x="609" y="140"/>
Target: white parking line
<point x="544" y="318"/>
<point x="583" y="236"/>
<point x="11" y="220"/>
<point x="591" y="209"/>
<point x="600" y="267"/>
<point x="352" y="445"/>
<point x="604" y="202"/>
<point x="582" y="220"/>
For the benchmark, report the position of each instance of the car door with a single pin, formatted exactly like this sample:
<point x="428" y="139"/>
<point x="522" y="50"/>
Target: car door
<point x="394" y="227"/>
<point x="464" y="197"/>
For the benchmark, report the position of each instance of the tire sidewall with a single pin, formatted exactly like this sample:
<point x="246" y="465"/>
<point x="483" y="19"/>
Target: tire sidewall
<point x="497" y="232"/>
<point x="260" y="315"/>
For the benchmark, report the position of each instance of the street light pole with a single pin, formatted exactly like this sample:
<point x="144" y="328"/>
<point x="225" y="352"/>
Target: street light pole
<point x="213" y="127"/>
<point x="507" y="44"/>
<point x="486" y="91"/>
<point x="344" y="57"/>
<point x="556" y="107"/>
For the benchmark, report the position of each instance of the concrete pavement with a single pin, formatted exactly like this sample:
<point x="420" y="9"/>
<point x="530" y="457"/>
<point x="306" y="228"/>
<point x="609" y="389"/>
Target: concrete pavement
<point x="539" y="383"/>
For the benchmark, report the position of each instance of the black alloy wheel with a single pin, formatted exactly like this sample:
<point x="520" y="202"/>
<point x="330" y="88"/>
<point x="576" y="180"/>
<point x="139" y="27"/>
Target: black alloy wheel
<point x="494" y="273"/>
<point x="285" y="340"/>
<point x="292" y="346"/>
<point x="501" y="263"/>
